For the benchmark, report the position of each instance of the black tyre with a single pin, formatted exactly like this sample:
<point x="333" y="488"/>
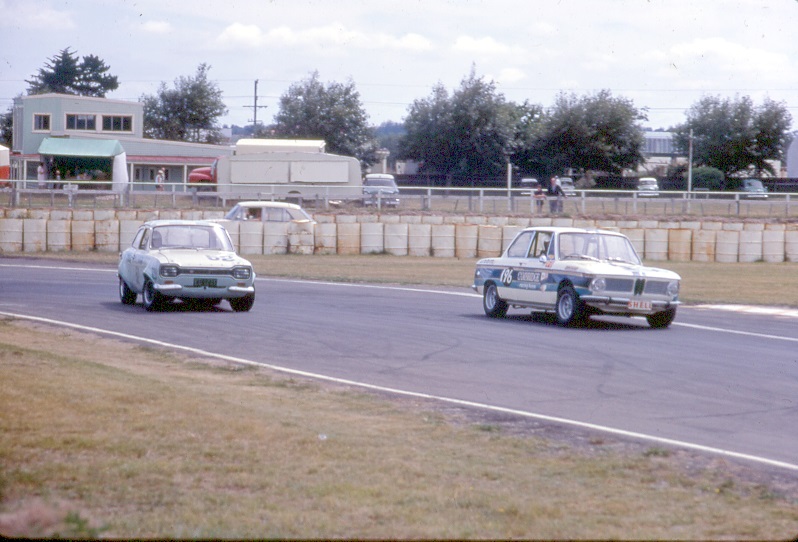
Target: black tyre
<point x="242" y="304"/>
<point x="570" y="310"/>
<point x="494" y="306"/>
<point x="126" y="295"/>
<point x="661" y="319"/>
<point x="153" y="300"/>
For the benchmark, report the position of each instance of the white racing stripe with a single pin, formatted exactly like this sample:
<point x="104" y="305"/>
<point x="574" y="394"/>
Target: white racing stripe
<point x="460" y="402"/>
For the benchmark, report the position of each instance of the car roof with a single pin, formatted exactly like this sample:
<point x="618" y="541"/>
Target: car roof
<point x="275" y="204"/>
<point x="180" y="222"/>
<point x="566" y="229"/>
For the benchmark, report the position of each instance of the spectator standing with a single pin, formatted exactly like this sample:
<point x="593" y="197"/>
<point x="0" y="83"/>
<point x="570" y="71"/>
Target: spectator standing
<point x="555" y="196"/>
<point x="159" y="179"/>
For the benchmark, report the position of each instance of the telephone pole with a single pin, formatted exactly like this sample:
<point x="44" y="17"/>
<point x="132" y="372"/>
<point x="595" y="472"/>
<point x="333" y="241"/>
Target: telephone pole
<point x="254" y="119"/>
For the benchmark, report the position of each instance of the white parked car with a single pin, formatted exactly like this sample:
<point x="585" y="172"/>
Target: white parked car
<point x="576" y="273"/>
<point x="647" y="187"/>
<point x="191" y="260"/>
<point x="380" y="188"/>
<point x="268" y="211"/>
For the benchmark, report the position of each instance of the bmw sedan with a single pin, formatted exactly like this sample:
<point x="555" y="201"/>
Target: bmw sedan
<point x="576" y="273"/>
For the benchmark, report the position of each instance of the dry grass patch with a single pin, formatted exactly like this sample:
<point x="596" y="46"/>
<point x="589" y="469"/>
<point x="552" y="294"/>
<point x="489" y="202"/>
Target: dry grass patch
<point x="123" y="441"/>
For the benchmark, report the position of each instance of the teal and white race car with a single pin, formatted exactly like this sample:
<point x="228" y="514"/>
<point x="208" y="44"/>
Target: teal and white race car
<point x="576" y="273"/>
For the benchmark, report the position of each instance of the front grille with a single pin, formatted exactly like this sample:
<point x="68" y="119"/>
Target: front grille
<point x="656" y="287"/>
<point x="206" y="272"/>
<point x="619" y="285"/>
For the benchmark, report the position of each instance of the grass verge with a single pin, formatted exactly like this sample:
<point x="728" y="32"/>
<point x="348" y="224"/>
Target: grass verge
<point x="102" y="438"/>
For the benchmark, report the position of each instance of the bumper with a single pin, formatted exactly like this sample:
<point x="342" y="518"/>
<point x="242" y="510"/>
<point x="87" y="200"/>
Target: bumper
<point x="225" y="292"/>
<point x="623" y="304"/>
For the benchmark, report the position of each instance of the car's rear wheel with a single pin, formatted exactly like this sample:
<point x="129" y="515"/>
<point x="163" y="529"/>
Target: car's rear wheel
<point x="661" y="319"/>
<point x="126" y="295"/>
<point x="494" y="306"/>
<point x="242" y="304"/>
<point x="153" y="300"/>
<point x="569" y="309"/>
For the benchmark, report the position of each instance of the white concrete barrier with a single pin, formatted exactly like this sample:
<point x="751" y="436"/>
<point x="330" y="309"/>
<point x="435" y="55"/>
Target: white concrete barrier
<point x="773" y="246"/>
<point x="250" y="237"/>
<point x="396" y="239"/>
<point x="326" y="238"/>
<point x="466" y="237"/>
<point x="727" y="246"/>
<point x="127" y="232"/>
<point x="489" y="243"/>
<point x="419" y="239"/>
<point x="750" y="246"/>
<point x="656" y="244"/>
<point x="106" y="235"/>
<point x="348" y="238"/>
<point x="300" y="238"/>
<point x="680" y="245"/>
<point x="275" y="238"/>
<point x="34" y="235"/>
<point x="372" y="238"/>
<point x="443" y="240"/>
<point x="82" y="235"/>
<point x="59" y="235"/>
<point x="11" y="230"/>
<point x="791" y="245"/>
<point x="704" y="245"/>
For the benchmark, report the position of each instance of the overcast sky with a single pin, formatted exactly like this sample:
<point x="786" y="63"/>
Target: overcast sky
<point x="663" y="55"/>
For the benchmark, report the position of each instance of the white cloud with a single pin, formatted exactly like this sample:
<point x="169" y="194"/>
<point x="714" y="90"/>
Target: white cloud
<point x="156" y="27"/>
<point x="510" y="75"/>
<point x="486" y="45"/>
<point x="240" y="35"/>
<point x="34" y="15"/>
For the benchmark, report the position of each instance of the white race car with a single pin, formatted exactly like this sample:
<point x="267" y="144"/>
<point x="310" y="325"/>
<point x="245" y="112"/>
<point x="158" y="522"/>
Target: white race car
<point x="576" y="273"/>
<point x="192" y="260"/>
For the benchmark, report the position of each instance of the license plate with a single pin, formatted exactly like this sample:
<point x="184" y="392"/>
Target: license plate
<point x="640" y="305"/>
<point x="204" y="283"/>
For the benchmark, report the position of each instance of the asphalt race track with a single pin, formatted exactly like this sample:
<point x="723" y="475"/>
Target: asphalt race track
<point x="722" y="379"/>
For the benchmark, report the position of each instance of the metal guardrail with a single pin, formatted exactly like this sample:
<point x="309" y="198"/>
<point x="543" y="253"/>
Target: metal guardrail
<point x="488" y="201"/>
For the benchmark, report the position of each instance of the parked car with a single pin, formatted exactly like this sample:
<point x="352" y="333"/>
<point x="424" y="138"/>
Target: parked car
<point x="567" y="185"/>
<point x="754" y="189"/>
<point x="576" y="273"/>
<point x="647" y="187"/>
<point x="380" y="187"/>
<point x="268" y="211"/>
<point x="190" y="260"/>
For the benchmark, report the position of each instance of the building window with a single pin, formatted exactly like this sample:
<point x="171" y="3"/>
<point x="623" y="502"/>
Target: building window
<point x="117" y="123"/>
<point x="41" y="123"/>
<point x="81" y="122"/>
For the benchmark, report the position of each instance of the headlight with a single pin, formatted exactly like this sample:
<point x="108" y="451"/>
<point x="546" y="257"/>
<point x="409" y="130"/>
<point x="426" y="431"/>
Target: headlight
<point x="673" y="287"/>
<point x="598" y="284"/>
<point x="169" y="271"/>
<point x="242" y="273"/>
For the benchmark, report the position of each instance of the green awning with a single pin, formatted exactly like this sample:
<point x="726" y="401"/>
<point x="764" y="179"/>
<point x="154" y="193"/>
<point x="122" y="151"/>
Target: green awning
<point x="96" y="148"/>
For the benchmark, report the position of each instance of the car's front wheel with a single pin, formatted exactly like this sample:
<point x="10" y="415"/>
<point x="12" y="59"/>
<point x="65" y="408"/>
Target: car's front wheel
<point x="242" y="304"/>
<point x="153" y="300"/>
<point x="569" y="309"/>
<point x="494" y="306"/>
<point x="126" y="295"/>
<point x="661" y="319"/>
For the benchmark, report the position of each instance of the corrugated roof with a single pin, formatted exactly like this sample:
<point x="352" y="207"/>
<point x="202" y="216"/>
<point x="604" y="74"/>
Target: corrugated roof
<point x="103" y="148"/>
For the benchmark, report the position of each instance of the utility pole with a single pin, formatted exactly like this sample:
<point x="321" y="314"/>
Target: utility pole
<point x="254" y="119"/>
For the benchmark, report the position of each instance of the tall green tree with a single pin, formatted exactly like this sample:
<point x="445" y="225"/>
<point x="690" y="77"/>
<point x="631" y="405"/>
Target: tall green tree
<point x="596" y="132"/>
<point x="188" y="112"/>
<point x="333" y="112"/>
<point x="734" y="135"/>
<point x="473" y="131"/>
<point x="65" y="73"/>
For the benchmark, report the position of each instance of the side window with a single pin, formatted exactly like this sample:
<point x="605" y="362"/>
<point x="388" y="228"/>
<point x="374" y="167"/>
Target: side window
<point x="520" y="247"/>
<point x="541" y="245"/>
<point x="144" y="238"/>
<point x="137" y="239"/>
